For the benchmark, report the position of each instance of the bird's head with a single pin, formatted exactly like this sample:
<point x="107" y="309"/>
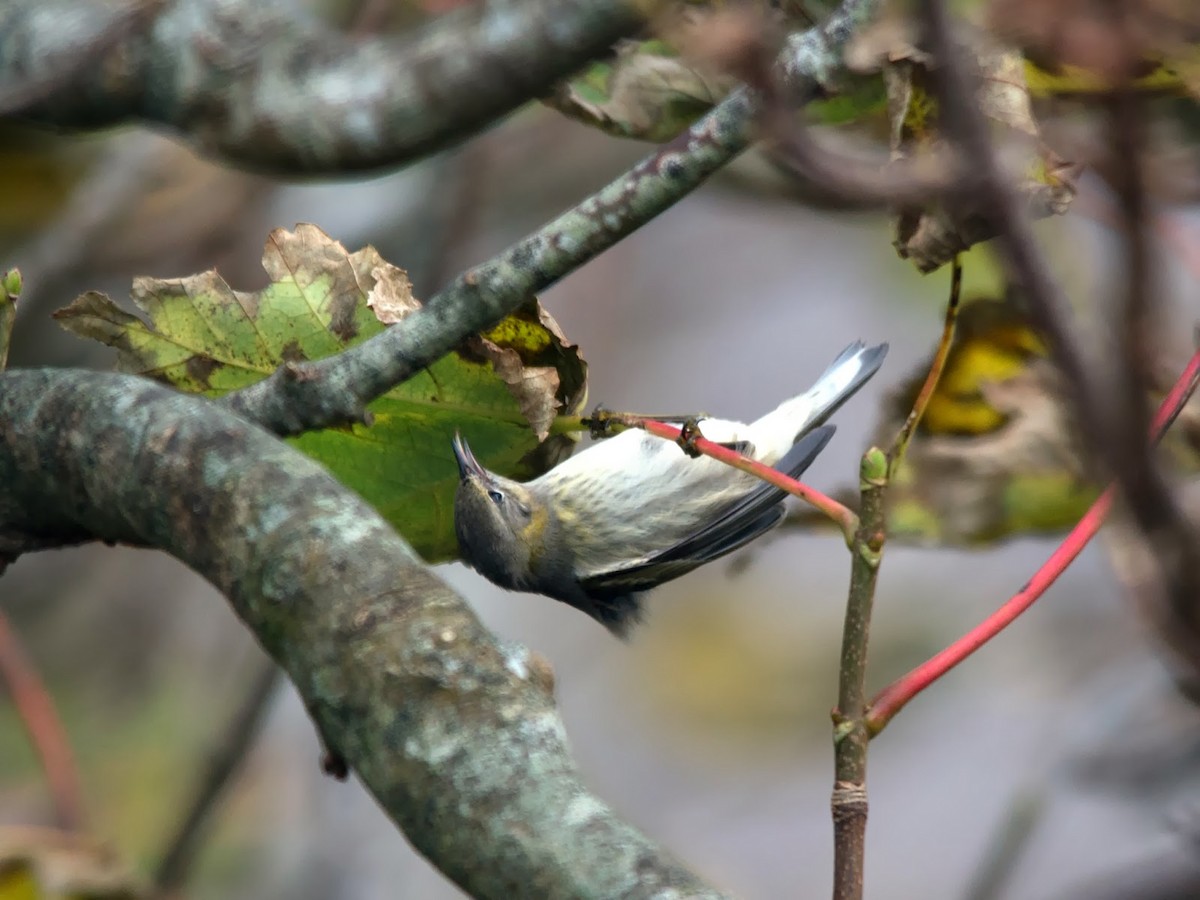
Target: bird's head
<point x="499" y="522"/>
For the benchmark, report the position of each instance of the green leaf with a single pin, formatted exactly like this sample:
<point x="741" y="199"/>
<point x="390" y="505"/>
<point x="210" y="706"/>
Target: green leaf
<point x="502" y="389"/>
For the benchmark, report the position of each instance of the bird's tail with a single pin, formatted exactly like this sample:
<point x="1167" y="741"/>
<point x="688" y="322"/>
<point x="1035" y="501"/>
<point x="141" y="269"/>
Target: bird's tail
<point x="794" y="418"/>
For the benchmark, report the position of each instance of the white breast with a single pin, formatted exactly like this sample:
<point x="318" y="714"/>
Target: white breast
<point x="635" y="495"/>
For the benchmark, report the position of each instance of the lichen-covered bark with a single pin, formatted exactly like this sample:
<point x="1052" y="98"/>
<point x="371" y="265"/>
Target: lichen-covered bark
<point x="337" y="390"/>
<point x="455" y="734"/>
<point x="257" y="83"/>
<point x="313" y="395"/>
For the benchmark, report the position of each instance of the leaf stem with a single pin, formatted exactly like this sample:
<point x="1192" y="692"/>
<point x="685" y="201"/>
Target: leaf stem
<point x="850" y="735"/>
<point x="851" y="731"/>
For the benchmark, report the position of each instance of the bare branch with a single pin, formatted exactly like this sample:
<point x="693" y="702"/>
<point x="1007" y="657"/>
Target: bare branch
<point x="336" y="390"/>
<point x="1170" y="597"/>
<point x="258" y="84"/>
<point x="852" y="731"/>
<point x="455" y="734"/>
<point x="78" y="45"/>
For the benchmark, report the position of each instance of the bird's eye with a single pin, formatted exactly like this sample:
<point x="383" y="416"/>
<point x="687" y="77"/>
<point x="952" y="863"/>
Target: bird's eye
<point x="496" y="497"/>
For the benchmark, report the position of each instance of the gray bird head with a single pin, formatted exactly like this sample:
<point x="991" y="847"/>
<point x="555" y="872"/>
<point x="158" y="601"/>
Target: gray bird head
<point x="499" y="522"/>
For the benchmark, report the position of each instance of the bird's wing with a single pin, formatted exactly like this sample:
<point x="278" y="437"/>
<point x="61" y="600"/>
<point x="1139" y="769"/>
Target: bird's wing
<point x="737" y="525"/>
<point x="625" y="500"/>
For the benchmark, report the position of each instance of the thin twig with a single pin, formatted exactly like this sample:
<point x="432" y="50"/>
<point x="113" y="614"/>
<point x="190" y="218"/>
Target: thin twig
<point x="1171" y="595"/>
<point x="895" y="696"/>
<point x="35" y="707"/>
<point x="851" y="733"/>
<point x="224" y="763"/>
<point x="1008" y="842"/>
<point x="840" y="515"/>
<point x="936" y="367"/>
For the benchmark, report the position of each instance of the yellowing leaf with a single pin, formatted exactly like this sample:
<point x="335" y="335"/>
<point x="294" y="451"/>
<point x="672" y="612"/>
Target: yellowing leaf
<point x="502" y="389"/>
<point x="997" y="453"/>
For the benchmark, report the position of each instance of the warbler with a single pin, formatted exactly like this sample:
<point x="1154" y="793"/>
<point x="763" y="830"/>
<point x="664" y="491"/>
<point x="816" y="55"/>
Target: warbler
<point x="633" y="511"/>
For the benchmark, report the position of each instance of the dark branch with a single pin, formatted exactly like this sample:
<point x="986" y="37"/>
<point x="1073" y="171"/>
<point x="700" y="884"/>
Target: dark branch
<point x="1167" y="536"/>
<point x="455" y="734"/>
<point x="965" y="125"/>
<point x="258" y="84"/>
<point x="1114" y="427"/>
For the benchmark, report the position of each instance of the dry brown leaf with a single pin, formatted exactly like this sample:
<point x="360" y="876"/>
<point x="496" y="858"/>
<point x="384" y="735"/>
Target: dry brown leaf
<point x="932" y="236"/>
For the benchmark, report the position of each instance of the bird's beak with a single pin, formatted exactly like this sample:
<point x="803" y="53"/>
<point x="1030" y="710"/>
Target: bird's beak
<point x="468" y="465"/>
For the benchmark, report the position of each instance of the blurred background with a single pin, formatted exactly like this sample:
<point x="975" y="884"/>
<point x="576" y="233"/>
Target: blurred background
<point x="710" y="730"/>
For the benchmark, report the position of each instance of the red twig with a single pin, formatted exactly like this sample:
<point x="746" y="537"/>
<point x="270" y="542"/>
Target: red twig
<point x="894" y="697"/>
<point x="35" y="707"/>
<point x="841" y="515"/>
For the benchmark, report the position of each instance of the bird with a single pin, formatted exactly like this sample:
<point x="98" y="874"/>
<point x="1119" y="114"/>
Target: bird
<point x="633" y="511"/>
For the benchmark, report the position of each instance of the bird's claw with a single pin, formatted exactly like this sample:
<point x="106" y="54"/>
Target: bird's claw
<point x="689" y="433"/>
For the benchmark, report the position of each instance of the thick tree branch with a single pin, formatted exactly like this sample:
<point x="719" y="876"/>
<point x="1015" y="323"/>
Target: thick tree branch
<point x="336" y="390"/>
<point x="256" y="83"/>
<point x="77" y="45"/>
<point x="455" y="734"/>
